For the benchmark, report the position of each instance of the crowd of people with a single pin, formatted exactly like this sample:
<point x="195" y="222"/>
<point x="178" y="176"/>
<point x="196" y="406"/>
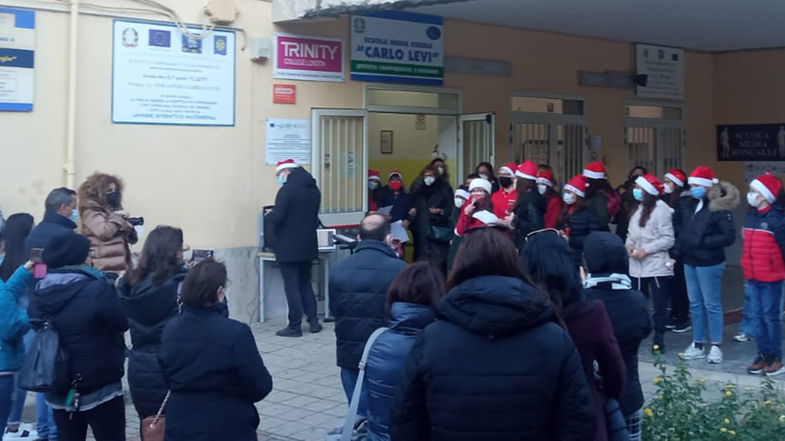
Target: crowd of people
<point x="527" y="304"/>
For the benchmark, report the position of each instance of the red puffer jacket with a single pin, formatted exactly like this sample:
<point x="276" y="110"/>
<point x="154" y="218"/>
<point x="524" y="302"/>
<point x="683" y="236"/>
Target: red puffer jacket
<point x="764" y="246"/>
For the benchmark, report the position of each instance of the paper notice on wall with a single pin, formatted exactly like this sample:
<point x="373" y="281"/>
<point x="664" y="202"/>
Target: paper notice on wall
<point x="754" y="169"/>
<point x="287" y="139"/>
<point x="17" y="59"/>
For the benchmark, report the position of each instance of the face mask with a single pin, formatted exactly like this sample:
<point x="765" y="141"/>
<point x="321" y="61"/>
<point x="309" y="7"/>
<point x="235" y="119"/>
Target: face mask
<point x="637" y="193"/>
<point x="698" y="192"/>
<point x="753" y="199"/>
<point x="113" y="199"/>
<point x="542" y="188"/>
<point x="2" y="258"/>
<point x="440" y="170"/>
<point x="281" y="179"/>
<point x="429" y="180"/>
<point x="478" y="196"/>
<point x="74" y="215"/>
<point x="568" y="198"/>
<point x="668" y="188"/>
<point x="396" y="185"/>
<point x="459" y="202"/>
<point x="373" y="185"/>
<point x="505" y="181"/>
<point x="483" y="176"/>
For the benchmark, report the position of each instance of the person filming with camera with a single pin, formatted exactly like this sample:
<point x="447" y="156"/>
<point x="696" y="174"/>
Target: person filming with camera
<point x="105" y="223"/>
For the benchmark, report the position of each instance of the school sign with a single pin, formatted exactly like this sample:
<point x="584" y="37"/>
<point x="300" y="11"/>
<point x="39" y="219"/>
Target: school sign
<point x="398" y="47"/>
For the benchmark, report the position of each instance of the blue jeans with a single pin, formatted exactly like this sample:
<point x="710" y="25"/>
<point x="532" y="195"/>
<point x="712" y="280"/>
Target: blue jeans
<point x="44" y="418"/>
<point x="765" y="315"/>
<point x="6" y="390"/>
<point x="349" y="380"/>
<point x="704" y="288"/>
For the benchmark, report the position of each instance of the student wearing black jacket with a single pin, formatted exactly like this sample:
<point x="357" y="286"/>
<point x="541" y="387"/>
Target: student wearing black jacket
<point x="84" y="308"/>
<point x="433" y="204"/>
<point x="211" y="365"/>
<point x="676" y="195"/>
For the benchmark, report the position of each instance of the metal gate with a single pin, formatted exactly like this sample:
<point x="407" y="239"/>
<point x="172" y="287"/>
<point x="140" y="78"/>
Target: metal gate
<point x="561" y="145"/>
<point x="656" y="147"/>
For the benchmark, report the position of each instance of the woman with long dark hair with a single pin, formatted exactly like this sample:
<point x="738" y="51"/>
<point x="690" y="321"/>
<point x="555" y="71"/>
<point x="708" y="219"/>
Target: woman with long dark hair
<point x="17" y="228"/>
<point x="546" y="187"/>
<point x="498" y="346"/>
<point x="479" y="200"/>
<point x="486" y="171"/>
<point x="649" y="239"/>
<point x="433" y="204"/>
<point x="600" y="197"/>
<point x="148" y="294"/>
<point x="548" y="261"/>
<point x="676" y="196"/>
<point x="530" y="204"/>
<point x="577" y="220"/>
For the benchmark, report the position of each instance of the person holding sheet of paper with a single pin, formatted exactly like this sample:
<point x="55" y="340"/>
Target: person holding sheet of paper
<point x="479" y="210"/>
<point x="395" y="203"/>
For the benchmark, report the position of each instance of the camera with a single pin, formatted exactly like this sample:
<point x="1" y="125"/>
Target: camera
<point x="136" y="221"/>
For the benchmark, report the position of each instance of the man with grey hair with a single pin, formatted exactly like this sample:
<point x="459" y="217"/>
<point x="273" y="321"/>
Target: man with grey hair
<point x="60" y="217"/>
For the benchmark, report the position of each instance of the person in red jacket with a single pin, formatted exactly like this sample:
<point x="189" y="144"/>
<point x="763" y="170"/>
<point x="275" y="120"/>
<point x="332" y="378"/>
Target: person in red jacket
<point x="546" y="187"/>
<point x="479" y="201"/>
<point x="764" y="271"/>
<point x="504" y="199"/>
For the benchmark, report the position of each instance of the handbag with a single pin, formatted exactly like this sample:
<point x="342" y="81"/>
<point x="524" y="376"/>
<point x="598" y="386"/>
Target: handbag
<point x="615" y="423"/>
<point x="439" y="234"/>
<point x="45" y="368"/>
<point x="154" y="427"/>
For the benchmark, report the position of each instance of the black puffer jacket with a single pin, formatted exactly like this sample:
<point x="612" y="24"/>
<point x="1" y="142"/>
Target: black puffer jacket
<point x="495" y="367"/>
<point x="295" y="218"/>
<point x="580" y="224"/>
<point x="529" y="216"/>
<point x="358" y="293"/>
<point x="149" y="306"/>
<point x="438" y="195"/>
<point x="703" y="236"/>
<point x="84" y="309"/>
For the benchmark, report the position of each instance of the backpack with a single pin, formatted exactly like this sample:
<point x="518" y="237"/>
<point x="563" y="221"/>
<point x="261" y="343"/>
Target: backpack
<point x="45" y="368"/>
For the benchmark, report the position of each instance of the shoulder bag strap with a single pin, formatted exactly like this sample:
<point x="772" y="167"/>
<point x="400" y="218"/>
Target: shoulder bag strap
<point x="348" y="426"/>
<point x="161" y="409"/>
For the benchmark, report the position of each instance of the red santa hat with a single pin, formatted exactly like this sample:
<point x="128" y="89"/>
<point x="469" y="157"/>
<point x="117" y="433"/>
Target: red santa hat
<point x="481" y="183"/>
<point x="393" y="174"/>
<point x="595" y="170"/>
<point x="283" y="165"/>
<point x="527" y="170"/>
<point x="545" y="177"/>
<point x="510" y="167"/>
<point x="578" y="185"/>
<point x="373" y="175"/>
<point x="676" y="176"/>
<point x="768" y="185"/>
<point x="461" y="193"/>
<point x="703" y="175"/>
<point x="650" y="184"/>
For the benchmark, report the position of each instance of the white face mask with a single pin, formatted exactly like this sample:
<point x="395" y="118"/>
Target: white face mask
<point x="568" y="198"/>
<point x="459" y="202"/>
<point x="542" y="188"/>
<point x="668" y="188"/>
<point x="483" y="176"/>
<point x="753" y="199"/>
<point x="440" y="170"/>
<point x="429" y="180"/>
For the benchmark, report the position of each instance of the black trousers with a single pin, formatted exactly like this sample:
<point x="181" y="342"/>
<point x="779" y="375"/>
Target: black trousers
<point x="680" y="303"/>
<point x="659" y="290"/>
<point x="106" y="420"/>
<point x="299" y="292"/>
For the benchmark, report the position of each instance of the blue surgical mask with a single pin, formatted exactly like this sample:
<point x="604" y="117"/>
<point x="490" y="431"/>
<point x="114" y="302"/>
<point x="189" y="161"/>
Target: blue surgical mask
<point x="637" y="193"/>
<point x="281" y="179"/>
<point x="373" y="185"/>
<point x="568" y="198"/>
<point x="74" y="215"/>
<point x="698" y="192"/>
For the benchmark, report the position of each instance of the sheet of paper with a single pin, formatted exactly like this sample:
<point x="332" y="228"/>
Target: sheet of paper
<point x="399" y="232"/>
<point x="486" y="217"/>
<point x="385" y="210"/>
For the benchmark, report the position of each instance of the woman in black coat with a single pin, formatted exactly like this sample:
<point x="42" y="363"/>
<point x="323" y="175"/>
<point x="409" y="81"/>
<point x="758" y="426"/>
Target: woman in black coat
<point x="433" y="204"/>
<point x="496" y="366"/>
<point x="211" y="365"/>
<point x="148" y="295"/>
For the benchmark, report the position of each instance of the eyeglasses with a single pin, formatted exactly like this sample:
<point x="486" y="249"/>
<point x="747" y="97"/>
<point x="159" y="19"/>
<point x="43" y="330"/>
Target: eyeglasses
<point x="544" y="230"/>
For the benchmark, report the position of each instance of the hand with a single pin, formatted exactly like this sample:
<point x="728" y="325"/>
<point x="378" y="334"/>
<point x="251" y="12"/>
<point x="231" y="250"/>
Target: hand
<point x="507" y="221"/>
<point x="413" y="212"/>
<point x="583" y="273"/>
<point x="471" y="207"/>
<point x="630" y="250"/>
<point x="405" y="224"/>
<point x="638" y="254"/>
<point x="121" y="213"/>
<point x="29" y="265"/>
<point x="436" y="211"/>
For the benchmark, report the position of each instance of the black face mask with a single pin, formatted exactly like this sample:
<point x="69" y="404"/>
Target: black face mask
<point x="113" y="199"/>
<point x="505" y="181"/>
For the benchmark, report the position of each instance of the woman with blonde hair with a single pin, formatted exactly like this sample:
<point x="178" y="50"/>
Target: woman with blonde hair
<point x="105" y="223"/>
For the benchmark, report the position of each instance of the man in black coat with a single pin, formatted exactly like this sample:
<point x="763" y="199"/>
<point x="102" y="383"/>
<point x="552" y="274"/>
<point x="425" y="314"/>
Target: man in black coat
<point x="358" y="290"/>
<point x="294" y="220"/>
<point x="60" y="217"/>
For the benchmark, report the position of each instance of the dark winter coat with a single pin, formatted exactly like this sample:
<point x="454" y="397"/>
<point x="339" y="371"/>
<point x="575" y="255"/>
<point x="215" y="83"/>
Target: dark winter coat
<point x="679" y="209"/>
<point x="149" y="306"/>
<point x="401" y="203"/>
<point x="764" y="245"/>
<point x="86" y="312"/>
<point x="704" y="235"/>
<point x="580" y="224"/>
<point x="53" y="225"/>
<point x="295" y="218"/>
<point x="384" y="370"/>
<point x="529" y="216"/>
<point x="214" y="370"/>
<point x="592" y="333"/>
<point x="358" y="293"/>
<point x="598" y="204"/>
<point x="495" y="367"/>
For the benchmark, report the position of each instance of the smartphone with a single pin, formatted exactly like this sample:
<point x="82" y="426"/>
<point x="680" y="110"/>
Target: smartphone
<point x="36" y="255"/>
<point x="39" y="268"/>
<point x="201" y="254"/>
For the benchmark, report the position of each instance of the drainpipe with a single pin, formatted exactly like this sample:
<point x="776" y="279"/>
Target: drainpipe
<point x="70" y="155"/>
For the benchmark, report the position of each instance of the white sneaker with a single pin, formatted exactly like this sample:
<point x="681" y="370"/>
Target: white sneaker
<point x="26" y="432"/>
<point x="715" y="355"/>
<point x="742" y="337"/>
<point x="692" y="353"/>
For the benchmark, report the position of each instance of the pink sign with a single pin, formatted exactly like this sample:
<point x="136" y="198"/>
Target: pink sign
<point x="308" y="58"/>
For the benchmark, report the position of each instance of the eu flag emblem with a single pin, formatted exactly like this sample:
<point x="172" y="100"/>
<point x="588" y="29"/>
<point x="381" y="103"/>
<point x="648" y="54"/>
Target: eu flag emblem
<point x="160" y="38"/>
<point x="220" y="45"/>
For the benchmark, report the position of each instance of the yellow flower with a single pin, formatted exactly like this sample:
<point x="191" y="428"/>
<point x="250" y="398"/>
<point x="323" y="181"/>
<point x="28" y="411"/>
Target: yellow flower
<point x="723" y="430"/>
<point x="649" y="413"/>
<point x="767" y="403"/>
<point x="660" y="396"/>
<point x="701" y="380"/>
<point x="655" y="347"/>
<point x="728" y="393"/>
<point x="782" y="418"/>
<point x="732" y="432"/>
<point x="726" y="421"/>
<point x="657" y="380"/>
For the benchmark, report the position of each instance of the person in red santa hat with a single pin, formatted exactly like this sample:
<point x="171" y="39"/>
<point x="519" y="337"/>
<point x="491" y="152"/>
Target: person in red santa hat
<point x="706" y="229"/>
<point x="479" y="201"/>
<point x="546" y="186"/>
<point x="394" y="197"/>
<point x="600" y="197"/>
<point x="530" y="204"/>
<point x="676" y="195"/>
<point x="295" y="219"/>
<point x="577" y="220"/>
<point x="504" y="198"/>
<point x="764" y="271"/>
<point x="649" y="239"/>
<point x="374" y="184"/>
